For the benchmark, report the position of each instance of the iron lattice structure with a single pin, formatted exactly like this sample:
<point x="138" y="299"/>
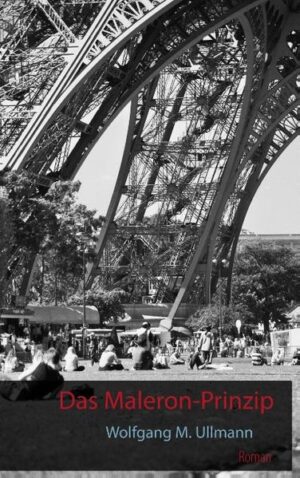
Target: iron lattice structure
<point x="214" y="91"/>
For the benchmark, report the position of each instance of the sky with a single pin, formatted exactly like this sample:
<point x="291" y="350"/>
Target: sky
<point x="100" y="169"/>
<point x="274" y="209"/>
<point x="276" y="205"/>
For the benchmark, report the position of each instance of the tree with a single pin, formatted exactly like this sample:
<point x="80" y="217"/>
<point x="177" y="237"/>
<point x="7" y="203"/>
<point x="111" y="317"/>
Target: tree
<point x="108" y="303"/>
<point x="6" y="239"/>
<point x="50" y="223"/>
<point x="64" y="251"/>
<point x="265" y="280"/>
<point x="217" y="316"/>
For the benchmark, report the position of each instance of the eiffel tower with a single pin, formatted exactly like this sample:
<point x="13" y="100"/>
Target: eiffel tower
<point x="213" y="89"/>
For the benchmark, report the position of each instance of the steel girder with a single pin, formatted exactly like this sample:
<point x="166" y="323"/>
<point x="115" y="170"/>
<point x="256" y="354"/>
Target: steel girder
<point x="176" y="206"/>
<point x="138" y="53"/>
<point x="273" y="124"/>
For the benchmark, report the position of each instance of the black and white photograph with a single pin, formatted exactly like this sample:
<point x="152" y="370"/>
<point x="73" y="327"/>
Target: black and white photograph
<point x="149" y="243"/>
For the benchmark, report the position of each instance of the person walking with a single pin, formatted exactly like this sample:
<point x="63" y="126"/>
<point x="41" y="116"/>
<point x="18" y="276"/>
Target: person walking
<point x="206" y="346"/>
<point x="142" y="358"/>
<point x="93" y="350"/>
<point x="144" y="334"/>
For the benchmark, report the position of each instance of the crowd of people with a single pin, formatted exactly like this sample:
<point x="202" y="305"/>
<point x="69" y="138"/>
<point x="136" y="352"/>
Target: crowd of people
<point x="259" y="357"/>
<point x="102" y="352"/>
<point x="144" y="350"/>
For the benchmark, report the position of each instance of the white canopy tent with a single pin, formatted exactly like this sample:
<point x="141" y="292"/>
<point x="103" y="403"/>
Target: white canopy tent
<point x="63" y="315"/>
<point x="158" y="331"/>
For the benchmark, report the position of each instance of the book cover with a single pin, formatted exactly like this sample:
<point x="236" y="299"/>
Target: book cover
<point x="171" y="114"/>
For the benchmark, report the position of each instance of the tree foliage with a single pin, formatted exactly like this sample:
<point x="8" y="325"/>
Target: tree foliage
<point x="219" y="317"/>
<point x="265" y="281"/>
<point x="51" y="224"/>
<point x="108" y="303"/>
<point x="6" y="239"/>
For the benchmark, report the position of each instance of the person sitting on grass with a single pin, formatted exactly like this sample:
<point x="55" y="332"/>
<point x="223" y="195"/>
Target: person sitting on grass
<point x="36" y="360"/>
<point x="11" y="363"/>
<point x="160" y="360"/>
<point x="176" y="359"/>
<point x="109" y="359"/>
<point x="44" y="382"/>
<point x="195" y="359"/>
<point x="277" y="358"/>
<point x="257" y="357"/>
<point x="131" y="348"/>
<point x="71" y="360"/>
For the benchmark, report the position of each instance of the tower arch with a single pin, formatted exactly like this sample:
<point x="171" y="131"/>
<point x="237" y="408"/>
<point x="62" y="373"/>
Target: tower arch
<point x="215" y="97"/>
